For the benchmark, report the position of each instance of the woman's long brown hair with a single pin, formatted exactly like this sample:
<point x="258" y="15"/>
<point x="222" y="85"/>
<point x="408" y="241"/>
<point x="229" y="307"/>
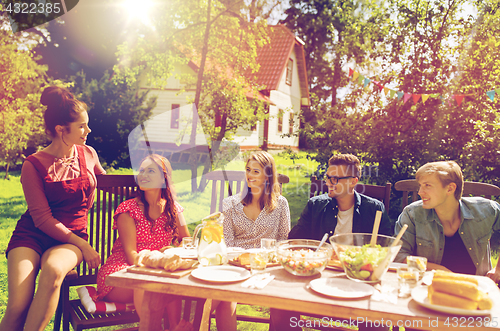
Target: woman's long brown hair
<point x="167" y="193"/>
<point x="269" y="199"/>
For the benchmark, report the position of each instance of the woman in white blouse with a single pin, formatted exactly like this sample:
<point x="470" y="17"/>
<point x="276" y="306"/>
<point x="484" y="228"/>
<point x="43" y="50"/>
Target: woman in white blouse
<point x="260" y="211"/>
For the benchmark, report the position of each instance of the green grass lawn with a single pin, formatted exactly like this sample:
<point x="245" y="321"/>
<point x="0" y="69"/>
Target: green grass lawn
<point x="196" y="206"/>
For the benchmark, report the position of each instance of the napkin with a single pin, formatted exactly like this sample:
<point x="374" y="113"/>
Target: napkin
<point x="258" y="281"/>
<point x="385" y="293"/>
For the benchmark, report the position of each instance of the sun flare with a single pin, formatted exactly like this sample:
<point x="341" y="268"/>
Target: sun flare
<point x="139" y="10"/>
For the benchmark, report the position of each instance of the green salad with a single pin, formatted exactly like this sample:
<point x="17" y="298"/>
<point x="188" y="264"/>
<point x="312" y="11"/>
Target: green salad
<point x="360" y="262"/>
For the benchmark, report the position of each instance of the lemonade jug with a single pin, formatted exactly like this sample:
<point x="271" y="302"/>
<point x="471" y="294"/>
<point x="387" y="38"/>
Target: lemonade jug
<point x="212" y="249"/>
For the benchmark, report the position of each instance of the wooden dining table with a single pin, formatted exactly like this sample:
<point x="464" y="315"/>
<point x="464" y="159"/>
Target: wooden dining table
<point x="294" y="293"/>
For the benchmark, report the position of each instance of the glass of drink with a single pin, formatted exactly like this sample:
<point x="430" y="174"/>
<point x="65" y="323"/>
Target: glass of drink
<point x="419" y="263"/>
<point x="187" y="243"/>
<point x="269" y="246"/>
<point x="258" y="260"/>
<point x="407" y="280"/>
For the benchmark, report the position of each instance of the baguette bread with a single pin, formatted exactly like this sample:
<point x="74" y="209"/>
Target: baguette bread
<point x="485" y="302"/>
<point x="458" y="291"/>
<point x="445" y="299"/>
<point x="186" y="264"/>
<point x="158" y="260"/>
<point x="441" y="274"/>
<point x="173" y="263"/>
<point x="455" y="287"/>
<point x="244" y="259"/>
<point x="140" y="257"/>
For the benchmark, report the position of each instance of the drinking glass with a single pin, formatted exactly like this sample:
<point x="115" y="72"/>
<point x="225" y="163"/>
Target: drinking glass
<point x="187" y="243"/>
<point x="269" y="246"/>
<point x="258" y="260"/>
<point x="419" y="263"/>
<point x="407" y="280"/>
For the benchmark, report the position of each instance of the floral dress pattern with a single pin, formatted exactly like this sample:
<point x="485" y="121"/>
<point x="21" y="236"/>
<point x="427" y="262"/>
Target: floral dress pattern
<point x="147" y="237"/>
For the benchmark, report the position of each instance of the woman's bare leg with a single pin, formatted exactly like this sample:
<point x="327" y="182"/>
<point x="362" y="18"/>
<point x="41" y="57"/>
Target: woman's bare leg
<point x="174" y="306"/>
<point x="120" y="294"/>
<point x="138" y="298"/>
<point x="56" y="262"/>
<point x="22" y="264"/>
<point x="225" y="315"/>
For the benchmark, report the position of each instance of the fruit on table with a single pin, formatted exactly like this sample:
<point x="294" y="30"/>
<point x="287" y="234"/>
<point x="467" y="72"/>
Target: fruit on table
<point x="421" y="266"/>
<point x="259" y="262"/>
<point x="212" y="232"/>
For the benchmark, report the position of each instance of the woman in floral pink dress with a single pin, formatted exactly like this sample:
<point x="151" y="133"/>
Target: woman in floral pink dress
<point x="153" y="220"/>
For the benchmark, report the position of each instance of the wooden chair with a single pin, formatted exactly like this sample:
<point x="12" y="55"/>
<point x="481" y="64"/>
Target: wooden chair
<point x="382" y="193"/>
<point x="410" y="187"/>
<point x="111" y="191"/>
<point x="234" y="181"/>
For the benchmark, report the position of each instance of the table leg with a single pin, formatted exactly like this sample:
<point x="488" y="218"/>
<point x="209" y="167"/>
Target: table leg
<point x="153" y="306"/>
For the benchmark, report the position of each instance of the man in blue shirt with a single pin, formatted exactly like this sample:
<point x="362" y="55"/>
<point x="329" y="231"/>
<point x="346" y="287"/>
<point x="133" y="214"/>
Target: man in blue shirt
<point x="451" y="231"/>
<point x="341" y="210"/>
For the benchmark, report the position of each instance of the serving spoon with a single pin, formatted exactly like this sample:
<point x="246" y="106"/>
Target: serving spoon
<point x="325" y="236"/>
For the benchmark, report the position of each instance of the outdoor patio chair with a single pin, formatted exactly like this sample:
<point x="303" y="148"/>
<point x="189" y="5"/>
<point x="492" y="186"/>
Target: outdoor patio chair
<point x="382" y="193"/>
<point x="409" y="187"/>
<point x="111" y="191"/>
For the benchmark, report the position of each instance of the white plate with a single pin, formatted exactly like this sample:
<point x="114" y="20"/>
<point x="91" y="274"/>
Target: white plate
<point x="183" y="253"/>
<point x="341" y="288"/>
<point x="221" y="274"/>
<point x="419" y="294"/>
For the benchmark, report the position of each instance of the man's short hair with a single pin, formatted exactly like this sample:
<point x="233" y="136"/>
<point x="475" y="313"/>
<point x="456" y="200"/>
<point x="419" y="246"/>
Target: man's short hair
<point x="349" y="160"/>
<point x="447" y="172"/>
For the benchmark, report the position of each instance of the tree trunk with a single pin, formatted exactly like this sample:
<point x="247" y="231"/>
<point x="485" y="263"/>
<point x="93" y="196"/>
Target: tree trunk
<point x="213" y="151"/>
<point x="194" y="167"/>
<point x="7" y="171"/>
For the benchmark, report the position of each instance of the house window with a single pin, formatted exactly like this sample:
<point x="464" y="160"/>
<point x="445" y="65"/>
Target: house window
<point x="290" y="129"/>
<point x="280" y="120"/>
<point x="289" y="70"/>
<point x="174" y="117"/>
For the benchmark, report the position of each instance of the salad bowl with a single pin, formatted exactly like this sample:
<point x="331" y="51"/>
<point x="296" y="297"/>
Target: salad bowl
<point x="301" y="257"/>
<point x="361" y="261"/>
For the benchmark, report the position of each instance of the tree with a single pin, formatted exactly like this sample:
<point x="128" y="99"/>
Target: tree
<point x="430" y="47"/>
<point x="232" y="40"/>
<point x="22" y="80"/>
<point x="336" y="33"/>
<point x="115" y="108"/>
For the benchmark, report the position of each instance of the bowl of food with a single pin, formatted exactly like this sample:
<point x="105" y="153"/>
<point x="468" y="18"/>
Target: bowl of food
<point x="361" y="260"/>
<point x="299" y="256"/>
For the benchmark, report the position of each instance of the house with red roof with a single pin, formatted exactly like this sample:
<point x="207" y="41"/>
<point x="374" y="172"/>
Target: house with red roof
<point x="283" y="85"/>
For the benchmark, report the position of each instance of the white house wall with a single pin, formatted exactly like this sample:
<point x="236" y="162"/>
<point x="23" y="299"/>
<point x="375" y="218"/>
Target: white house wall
<point x="286" y="98"/>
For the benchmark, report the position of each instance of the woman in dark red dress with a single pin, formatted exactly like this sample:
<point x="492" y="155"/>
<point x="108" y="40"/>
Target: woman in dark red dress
<point x="50" y="239"/>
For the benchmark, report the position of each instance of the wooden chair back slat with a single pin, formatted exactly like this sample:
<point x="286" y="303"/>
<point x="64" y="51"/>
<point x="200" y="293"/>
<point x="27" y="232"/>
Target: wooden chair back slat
<point x="382" y="193"/>
<point x="410" y="186"/>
